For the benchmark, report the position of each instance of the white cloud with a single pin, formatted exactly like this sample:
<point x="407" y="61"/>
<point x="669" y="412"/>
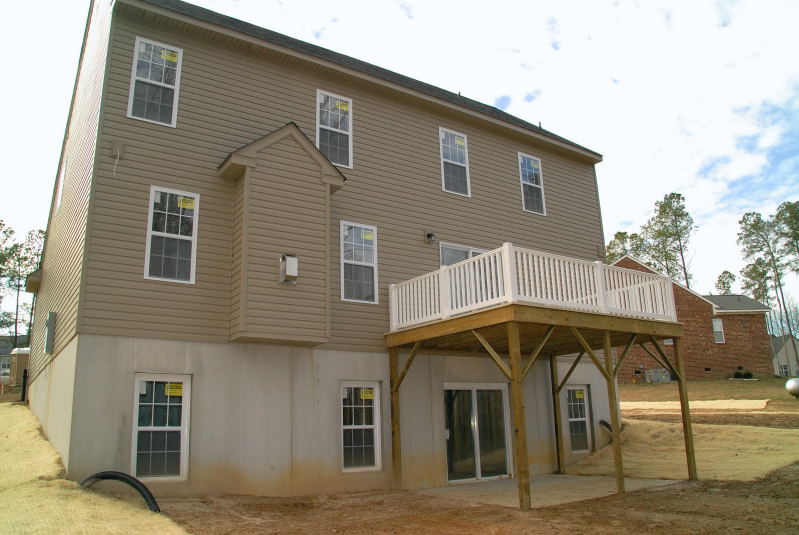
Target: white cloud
<point x="661" y="88"/>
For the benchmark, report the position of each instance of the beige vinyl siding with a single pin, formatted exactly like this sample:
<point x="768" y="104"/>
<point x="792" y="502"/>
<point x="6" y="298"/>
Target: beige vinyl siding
<point x="285" y="207"/>
<point x="64" y="249"/>
<point x="231" y="95"/>
<point x="237" y="288"/>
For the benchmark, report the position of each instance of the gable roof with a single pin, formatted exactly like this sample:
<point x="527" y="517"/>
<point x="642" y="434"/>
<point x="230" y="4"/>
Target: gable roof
<point x="348" y="62"/>
<point x="234" y="163"/>
<point x="778" y="342"/>
<point x="736" y="303"/>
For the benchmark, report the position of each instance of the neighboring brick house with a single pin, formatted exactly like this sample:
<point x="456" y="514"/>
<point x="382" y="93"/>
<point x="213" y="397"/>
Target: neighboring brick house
<point x="723" y="334"/>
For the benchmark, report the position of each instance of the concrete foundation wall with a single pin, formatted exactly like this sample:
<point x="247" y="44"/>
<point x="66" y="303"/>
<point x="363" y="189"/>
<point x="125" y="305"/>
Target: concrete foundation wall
<point x="266" y="420"/>
<point x="51" y="398"/>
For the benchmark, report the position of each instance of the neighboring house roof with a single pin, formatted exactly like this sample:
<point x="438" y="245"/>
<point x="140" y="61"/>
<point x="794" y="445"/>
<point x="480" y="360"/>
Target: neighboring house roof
<point x="349" y="62"/>
<point x="687" y="289"/>
<point x="778" y="342"/>
<point x="736" y="303"/>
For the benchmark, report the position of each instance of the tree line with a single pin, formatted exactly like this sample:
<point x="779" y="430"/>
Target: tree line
<point x="18" y="259"/>
<point x="770" y="244"/>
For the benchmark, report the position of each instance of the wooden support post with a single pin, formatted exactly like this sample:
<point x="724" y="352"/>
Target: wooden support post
<point x="396" y="443"/>
<point x="519" y="424"/>
<point x="686" y="413"/>
<point x="553" y="372"/>
<point x="613" y="403"/>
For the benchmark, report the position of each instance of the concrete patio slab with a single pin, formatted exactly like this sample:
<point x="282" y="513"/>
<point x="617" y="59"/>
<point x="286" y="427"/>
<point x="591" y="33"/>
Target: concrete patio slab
<point x="547" y="489"/>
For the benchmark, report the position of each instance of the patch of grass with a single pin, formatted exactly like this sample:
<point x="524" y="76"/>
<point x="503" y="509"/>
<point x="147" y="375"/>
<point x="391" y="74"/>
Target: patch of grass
<point x="766" y="388"/>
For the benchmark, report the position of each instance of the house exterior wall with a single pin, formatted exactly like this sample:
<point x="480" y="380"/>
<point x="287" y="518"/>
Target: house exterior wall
<point x="265" y="419"/>
<point x="746" y="345"/>
<point x="63" y="258"/>
<point x="231" y="95"/>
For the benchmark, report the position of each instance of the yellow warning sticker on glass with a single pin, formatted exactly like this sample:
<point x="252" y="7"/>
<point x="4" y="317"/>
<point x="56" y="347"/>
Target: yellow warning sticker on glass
<point x="368" y="235"/>
<point x="168" y="55"/>
<point x="459" y="141"/>
<point x="187" y="203"/>
<point x="367" y="393"/>
<point x="343" y="106"/>
<point x="579" y="394"/>
<point x="173" y="389"/>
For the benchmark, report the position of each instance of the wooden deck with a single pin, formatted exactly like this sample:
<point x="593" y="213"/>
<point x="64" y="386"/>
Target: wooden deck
<point x="515" y="336"/>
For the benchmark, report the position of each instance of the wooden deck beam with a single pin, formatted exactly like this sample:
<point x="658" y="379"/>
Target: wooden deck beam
<point x="411" y="356"/>
<point x="396" y="442"/>
<point x="493" y="354"/>
<point x="627" y="349"/>
<point x="615" y="423"/>
<point x="520" y="457"/>
<point x="686" y="414"/>
<point x="537" y="351"/>
<point x="553" y="374"/>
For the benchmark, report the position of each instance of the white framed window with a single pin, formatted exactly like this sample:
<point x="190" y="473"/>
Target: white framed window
<point x="360" y="426"/>
<point x="668" y="342"/>
<point x="718" y="330"/>
<point x="578" y="418"/>
<point x="784" y="371"/>
<point x="358" y="262"/>
<point x="454" y="162"/>
<point x="334" y="127"/>
<point x="155" y="82"/>
<point x="171" y="249"/>
<point x="532" y="184"/>
<point x="451" y="253"/>
<point x="160" y="446"/>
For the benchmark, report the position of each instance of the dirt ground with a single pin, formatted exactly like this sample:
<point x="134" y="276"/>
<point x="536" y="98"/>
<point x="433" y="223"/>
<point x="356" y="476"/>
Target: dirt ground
<point x="766" y="506"/>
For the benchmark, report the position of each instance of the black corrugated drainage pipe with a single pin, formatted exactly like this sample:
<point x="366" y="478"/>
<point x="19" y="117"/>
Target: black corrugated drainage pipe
<point x="128" y="479"/>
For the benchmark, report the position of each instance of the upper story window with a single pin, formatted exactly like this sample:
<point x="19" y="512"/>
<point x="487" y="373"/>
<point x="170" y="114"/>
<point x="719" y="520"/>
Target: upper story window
<point x="172" y="235"/>
<point x="154" y="83"/>
<point x="718" y="330"/>
<point x="454" y="162"/>
<point x="334" y="127"/>
<point x="452" y="254"/>
<point x="358" y="262"/>
<point x="532" y="184"/>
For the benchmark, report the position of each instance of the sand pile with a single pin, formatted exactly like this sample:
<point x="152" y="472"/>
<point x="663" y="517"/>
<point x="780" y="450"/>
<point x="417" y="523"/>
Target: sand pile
<point x="724" y="452"/>
<point x="34" y="499"/>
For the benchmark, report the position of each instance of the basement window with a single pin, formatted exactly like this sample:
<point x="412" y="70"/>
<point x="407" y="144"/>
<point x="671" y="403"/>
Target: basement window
<point x="360" y="426"/>
<point x="154" y="82"/>
<point x="161" y="426"/>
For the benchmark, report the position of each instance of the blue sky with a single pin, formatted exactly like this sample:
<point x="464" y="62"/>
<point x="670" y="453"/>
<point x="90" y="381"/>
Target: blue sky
<point x="698" y="97"/>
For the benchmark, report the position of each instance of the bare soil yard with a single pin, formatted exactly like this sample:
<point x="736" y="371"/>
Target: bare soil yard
<point x="769" y="505"/>
<point x="765" y="507"/>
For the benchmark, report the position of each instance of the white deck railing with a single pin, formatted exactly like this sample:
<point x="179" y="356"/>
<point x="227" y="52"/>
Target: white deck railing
<point x="515" y="275"/>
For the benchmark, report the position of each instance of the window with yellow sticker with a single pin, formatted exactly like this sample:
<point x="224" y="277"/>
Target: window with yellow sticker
<point x="358" y="262"/>
<point x="334" y="127"/>
<point x="154" y="82"/>
<point x="360" y="426"/>
<point x="172" y="235"/>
